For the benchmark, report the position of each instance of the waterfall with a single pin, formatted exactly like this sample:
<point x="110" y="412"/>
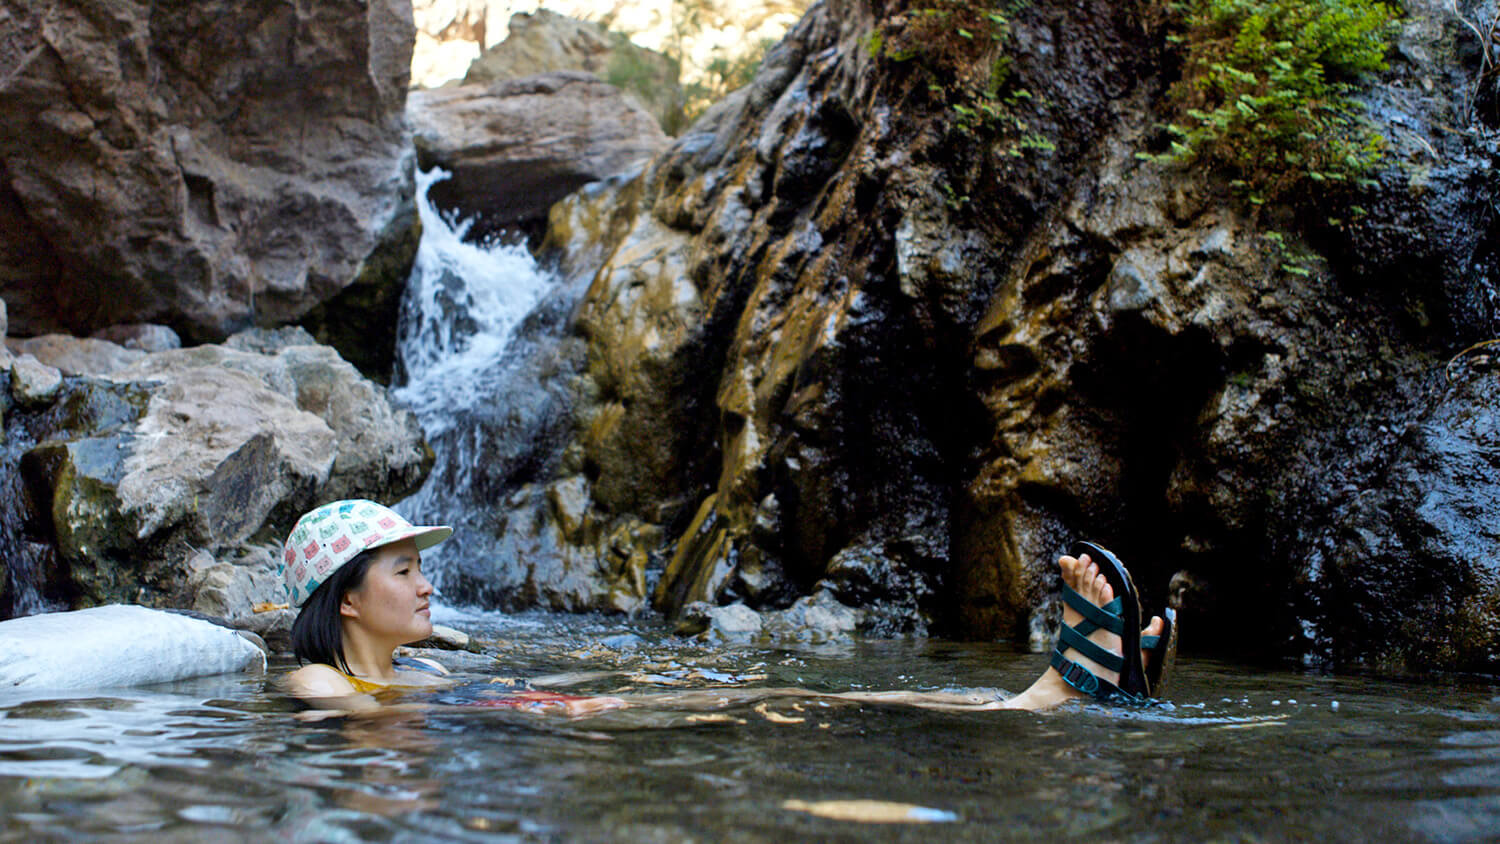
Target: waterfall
<point x="480" y="362"/>
<point x="462" y="302"/>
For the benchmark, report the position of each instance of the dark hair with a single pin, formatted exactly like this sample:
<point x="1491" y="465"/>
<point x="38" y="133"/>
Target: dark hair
<point x="318" y="632"/>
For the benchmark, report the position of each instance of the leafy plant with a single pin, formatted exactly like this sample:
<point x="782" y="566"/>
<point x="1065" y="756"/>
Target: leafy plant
<point x="1268" y="88"/>
<point x="958" y="48"/>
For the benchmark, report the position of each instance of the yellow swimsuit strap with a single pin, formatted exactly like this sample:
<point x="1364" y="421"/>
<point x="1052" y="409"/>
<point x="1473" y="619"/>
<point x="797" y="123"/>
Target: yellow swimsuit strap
<point x="362" y="686"/>
<point x="367" y="686"/>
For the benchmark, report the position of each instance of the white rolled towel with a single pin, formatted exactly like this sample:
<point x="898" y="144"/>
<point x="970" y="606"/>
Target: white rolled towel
<point x="118" y="645"/>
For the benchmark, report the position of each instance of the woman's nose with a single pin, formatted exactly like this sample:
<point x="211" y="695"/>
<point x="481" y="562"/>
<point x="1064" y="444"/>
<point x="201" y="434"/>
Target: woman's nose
<point x="424" y="586"/>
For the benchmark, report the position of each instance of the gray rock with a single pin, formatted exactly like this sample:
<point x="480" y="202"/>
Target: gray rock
<point x="735" y="622"/>
<point x="213" y="449"/>
<point x="33" y="382"/>
<point x="151" y="171"/>
<point x="818" y="618"/>
<point x="516" y="147"/>
<point x="141" y="336"/>
<point x="269" y="341"/>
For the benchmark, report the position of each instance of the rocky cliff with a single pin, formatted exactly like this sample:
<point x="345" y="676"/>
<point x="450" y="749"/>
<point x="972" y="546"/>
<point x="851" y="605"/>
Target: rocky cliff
<point x="207" y="165"/>
<point x="844" y="336"/>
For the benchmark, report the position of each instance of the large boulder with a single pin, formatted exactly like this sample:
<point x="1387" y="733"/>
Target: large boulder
<point x="175" y="474"/>
<point x="516" y="147"/>
<point x="843" y="336"/>
<point x="208" y="166"/>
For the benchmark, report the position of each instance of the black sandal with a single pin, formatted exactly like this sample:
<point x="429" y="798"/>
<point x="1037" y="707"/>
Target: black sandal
<point x="1163" y="650"/>
<point x="1122" y="617"/>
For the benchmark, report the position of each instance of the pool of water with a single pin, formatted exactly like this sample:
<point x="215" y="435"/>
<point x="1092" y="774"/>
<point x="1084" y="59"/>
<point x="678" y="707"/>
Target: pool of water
<point x="1242" y="755"/>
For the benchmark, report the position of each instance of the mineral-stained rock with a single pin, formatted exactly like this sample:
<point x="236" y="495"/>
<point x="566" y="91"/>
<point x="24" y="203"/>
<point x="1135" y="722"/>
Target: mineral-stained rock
<point x="150" y="478"/>
<point x="862" y="343"/>
<point x="207" y="166"/>
<point x="515" y="147"/>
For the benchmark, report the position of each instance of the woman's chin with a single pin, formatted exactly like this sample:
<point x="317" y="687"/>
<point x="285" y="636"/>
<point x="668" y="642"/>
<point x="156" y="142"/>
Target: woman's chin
<point x="421" y="630"/>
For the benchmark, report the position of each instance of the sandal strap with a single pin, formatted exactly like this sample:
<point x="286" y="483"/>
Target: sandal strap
<point x="1078" y="642"/>
<point x="1089" y="683"/>
<point x="1107" y="616"/>
<point x="1150" y="643"/>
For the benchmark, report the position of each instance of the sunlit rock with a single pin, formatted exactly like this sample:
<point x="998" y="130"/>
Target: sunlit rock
<point x="515" y="147"/>
<point x="545" y="41"/>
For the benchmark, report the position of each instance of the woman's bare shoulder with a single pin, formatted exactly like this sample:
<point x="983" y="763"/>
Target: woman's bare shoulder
<point x="318" y="681"/>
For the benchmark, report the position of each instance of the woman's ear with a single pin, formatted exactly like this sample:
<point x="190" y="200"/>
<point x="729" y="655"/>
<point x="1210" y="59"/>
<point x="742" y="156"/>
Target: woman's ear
<point x="349" y="605"/>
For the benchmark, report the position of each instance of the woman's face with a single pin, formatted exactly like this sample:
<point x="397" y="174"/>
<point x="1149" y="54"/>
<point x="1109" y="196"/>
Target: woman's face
<point x="391" y="603"/>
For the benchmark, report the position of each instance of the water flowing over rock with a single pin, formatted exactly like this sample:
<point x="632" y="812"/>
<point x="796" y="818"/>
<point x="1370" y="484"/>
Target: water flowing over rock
<point x="171" y="479"/>
<point x="207" y="166"/>
<point x="516" y="147"/>
<point x="836" y="339"/>
<point x="488" y="364"/>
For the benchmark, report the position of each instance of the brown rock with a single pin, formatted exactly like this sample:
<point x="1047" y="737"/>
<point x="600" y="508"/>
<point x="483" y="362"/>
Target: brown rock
<point x="516" y="147"/>
<point x="76" y="355"/>
<point x="211" y="167"/>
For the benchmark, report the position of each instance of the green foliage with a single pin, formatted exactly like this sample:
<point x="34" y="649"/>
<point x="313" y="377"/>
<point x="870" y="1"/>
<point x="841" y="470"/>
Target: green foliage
<point x="1268" y="90"/>
<point x="958" y="48"/>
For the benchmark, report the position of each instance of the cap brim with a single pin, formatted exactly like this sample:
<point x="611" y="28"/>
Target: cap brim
<point x="425" y="536"/>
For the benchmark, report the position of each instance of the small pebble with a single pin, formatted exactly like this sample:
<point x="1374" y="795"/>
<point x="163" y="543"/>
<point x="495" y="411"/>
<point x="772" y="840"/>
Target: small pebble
<point x="1334" y="706"/>
<point x="1292" y="701"/>
<point x="1275" y="703"/>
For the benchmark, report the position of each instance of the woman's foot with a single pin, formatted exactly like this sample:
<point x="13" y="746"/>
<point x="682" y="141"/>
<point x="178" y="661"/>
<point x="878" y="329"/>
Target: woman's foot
<point x="1083" y="576"/>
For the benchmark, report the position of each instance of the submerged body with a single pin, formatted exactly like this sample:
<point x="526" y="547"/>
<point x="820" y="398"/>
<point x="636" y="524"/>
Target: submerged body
<point x="370" y="603"/>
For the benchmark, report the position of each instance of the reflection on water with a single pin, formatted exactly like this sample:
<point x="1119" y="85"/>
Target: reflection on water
<point x="1242" y="755"/>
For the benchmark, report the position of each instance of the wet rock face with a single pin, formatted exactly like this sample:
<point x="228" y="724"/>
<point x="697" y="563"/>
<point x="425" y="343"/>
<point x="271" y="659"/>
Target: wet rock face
<point x="780" y="321"/>
<point x="180" y="472"/>
<point x="516" y="147"/>
<point x="1437" y="504"/>
<point x="147" y="158"/>
<point x="836" y="343"/>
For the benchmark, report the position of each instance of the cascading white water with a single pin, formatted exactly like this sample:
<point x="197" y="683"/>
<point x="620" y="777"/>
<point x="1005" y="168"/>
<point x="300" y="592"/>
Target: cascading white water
<point x="475" y="319"/>
<point x="462" y="303"/>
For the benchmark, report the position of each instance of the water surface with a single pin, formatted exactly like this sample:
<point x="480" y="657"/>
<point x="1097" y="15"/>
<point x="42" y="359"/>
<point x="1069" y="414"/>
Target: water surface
<point x="1243" y="755"/>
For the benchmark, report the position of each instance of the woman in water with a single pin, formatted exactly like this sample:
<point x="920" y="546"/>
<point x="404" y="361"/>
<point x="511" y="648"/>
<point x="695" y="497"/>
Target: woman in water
<point x="354" y="568"/>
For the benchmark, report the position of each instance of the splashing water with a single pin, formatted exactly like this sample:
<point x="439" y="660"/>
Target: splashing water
<point x="479" y="363"/>
<point x="462" y="303"/>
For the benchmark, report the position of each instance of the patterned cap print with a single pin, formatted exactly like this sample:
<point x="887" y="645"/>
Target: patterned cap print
<point x="335" y="533"/>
